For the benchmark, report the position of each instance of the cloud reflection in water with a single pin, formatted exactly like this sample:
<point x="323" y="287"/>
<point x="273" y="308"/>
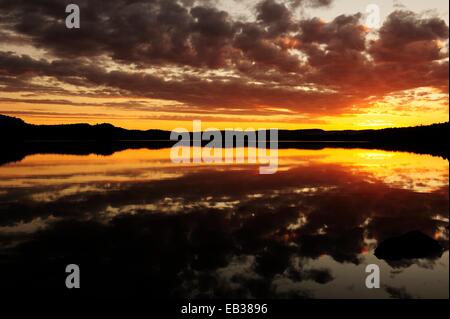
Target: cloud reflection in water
<point x="139" y="225"/>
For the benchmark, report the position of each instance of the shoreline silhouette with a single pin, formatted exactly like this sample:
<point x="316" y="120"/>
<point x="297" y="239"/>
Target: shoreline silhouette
<point x="21" y="139"/>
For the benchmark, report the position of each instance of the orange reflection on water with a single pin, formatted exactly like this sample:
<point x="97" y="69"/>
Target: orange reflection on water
<point x="400" y="169"/>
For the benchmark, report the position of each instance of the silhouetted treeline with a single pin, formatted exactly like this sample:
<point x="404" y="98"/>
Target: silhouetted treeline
<point x="20" y="139"/>
<point x="14" y="129"/>
<point x="428" y="139"/>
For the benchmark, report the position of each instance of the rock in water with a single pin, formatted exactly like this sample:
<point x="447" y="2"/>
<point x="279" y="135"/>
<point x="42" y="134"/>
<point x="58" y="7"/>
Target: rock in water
<point x="414" y="244"/>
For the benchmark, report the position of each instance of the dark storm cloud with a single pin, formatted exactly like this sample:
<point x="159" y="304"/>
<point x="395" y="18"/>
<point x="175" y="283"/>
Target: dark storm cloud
<point x="272" y="61"/>
<point x="143" y="32"/>
<point x="310" y="3"/>
<point x="345" y="32"/>
<point x="407" y="37"/>
<point x="188" y="89"/>
<point x="336" y="51"/>
<point x="275" y="15"/>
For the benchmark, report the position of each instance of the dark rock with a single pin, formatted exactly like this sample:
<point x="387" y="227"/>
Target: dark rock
<point x="414" y="244"/>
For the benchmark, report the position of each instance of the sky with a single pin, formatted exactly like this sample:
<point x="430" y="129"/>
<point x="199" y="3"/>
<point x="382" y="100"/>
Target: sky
<point x="284" y="64"/>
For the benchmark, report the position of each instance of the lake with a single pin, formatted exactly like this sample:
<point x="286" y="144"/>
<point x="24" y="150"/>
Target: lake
<point x="139" y="225"/>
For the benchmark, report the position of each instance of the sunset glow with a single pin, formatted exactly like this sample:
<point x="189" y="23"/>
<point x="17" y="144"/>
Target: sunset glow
<point x="263" y="64"/>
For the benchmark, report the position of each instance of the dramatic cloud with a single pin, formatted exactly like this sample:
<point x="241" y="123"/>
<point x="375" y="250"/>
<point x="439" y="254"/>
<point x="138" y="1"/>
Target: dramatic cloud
<point x="405" y="37"/>
<point x="179" y="50"/>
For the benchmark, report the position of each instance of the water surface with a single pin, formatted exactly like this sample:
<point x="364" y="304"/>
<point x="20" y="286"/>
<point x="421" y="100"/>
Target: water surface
<point x="140" y="225"/>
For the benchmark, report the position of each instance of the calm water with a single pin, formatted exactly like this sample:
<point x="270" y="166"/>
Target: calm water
<point x="139" y="225"/>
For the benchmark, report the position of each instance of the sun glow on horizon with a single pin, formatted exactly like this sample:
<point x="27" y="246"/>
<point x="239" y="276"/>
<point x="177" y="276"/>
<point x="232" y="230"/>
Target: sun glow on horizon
<point x="319" y="67"/>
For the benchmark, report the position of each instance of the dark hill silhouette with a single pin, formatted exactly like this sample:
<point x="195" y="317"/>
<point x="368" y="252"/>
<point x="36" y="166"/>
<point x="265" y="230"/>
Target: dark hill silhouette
<point x="20" y="139"/>
<point x="14" y="129"/>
